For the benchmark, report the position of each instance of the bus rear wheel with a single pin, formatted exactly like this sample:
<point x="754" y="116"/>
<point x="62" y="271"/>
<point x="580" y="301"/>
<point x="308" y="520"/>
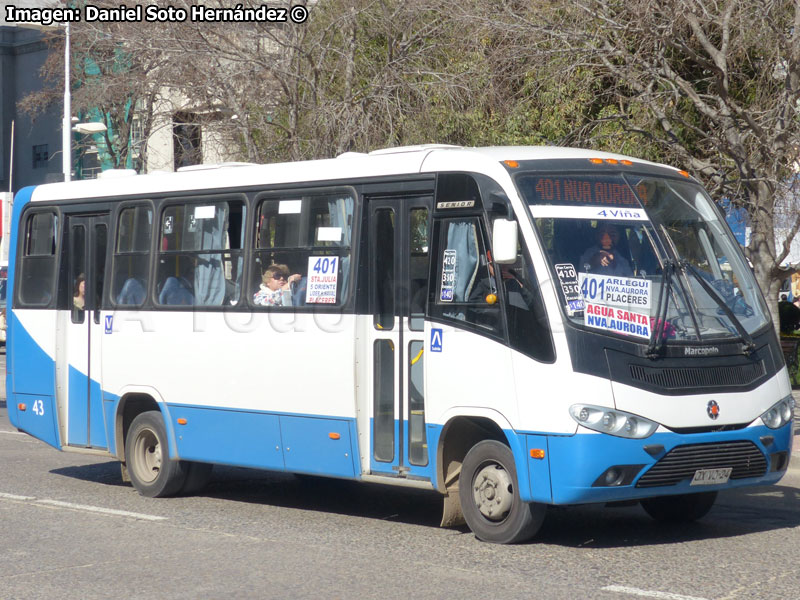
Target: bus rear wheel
<point x="489" y="496"/>
<point x="152" y="472"/>
<point x="680" y="509"/>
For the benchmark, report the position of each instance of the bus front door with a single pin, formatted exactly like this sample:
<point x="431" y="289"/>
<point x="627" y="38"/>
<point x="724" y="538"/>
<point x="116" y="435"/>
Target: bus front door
<point x="398" y="233"/>
<point x="87" y="240"/>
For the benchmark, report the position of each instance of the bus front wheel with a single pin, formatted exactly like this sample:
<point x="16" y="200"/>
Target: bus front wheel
<point x="489" y="496"/>
<point x="680" y="509"/>
<point x="152" y="472"/>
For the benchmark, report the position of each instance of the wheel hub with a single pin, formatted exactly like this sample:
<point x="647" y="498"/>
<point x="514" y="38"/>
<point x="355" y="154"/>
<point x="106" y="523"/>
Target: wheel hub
<point x="148" y="452"/>
<point x="493" y="492"/>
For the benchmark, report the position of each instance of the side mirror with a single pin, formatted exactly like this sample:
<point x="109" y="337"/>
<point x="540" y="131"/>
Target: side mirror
<point x="504" y="241"/>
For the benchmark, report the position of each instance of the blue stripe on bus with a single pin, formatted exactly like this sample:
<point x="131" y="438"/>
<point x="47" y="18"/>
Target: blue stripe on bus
<point x="296" y="443"/>
<point x="576" y="462"/>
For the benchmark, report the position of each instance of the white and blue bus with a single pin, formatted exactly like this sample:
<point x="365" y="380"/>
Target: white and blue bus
<point x="511" y="327"/>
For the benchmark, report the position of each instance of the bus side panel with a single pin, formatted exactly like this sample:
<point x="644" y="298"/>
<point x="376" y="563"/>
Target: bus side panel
<point x="317" y="446"/>
<point x="233" y="375"/>
<point x="539" y="469"/>
<point x="38" y="417"/>
<point x="32" y="381"/>
<point x="110" y="405"/>
<point x="243" y="438"/>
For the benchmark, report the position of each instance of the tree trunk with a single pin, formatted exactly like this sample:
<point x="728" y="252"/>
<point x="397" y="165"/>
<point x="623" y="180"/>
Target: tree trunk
<point x="761" y="252"/>
<point x="771" y="289"/>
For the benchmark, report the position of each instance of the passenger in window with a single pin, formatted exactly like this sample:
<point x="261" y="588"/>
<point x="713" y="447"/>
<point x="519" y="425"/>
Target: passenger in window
<point x="275" y="288"/>
<point x="79" y="293"/>
<point x="605" y="257"/>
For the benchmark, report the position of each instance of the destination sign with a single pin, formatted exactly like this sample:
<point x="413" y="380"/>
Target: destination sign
<point x="580" y="191"/>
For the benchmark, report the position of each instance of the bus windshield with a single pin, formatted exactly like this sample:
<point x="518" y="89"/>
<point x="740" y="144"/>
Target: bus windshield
<point x="634" y="253"/>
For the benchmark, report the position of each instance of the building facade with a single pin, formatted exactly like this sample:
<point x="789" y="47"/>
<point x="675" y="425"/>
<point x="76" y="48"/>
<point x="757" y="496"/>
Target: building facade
<point x="33" y="154"/>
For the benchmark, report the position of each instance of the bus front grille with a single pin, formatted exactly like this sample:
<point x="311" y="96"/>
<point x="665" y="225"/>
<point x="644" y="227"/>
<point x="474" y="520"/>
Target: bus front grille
<point x="680" y="463"/>
<point x="689" y="378"/>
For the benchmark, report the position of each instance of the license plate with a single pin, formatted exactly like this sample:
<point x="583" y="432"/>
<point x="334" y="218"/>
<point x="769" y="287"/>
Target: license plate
<point x="711" y="476"/>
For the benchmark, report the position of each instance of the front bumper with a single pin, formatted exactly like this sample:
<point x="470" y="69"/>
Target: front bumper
<point x="664" y="463"/>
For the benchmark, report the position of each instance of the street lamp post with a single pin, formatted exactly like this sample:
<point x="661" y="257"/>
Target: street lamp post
<point x="66" y="134"/>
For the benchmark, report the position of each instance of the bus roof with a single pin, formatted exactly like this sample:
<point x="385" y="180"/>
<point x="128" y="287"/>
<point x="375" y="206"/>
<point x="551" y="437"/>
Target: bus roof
<point x="385" y="162"/>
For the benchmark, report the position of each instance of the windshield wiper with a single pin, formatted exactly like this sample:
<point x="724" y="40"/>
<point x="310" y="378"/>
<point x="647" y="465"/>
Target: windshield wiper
<point x="658" y="332"/>
<point x="748" y="344"/>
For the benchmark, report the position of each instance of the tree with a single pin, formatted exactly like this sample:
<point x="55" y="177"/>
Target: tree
<point x="351" y="78"/>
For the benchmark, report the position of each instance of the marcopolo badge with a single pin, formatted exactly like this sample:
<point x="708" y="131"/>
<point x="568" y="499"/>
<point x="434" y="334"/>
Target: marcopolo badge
<point x="713" y="409"/>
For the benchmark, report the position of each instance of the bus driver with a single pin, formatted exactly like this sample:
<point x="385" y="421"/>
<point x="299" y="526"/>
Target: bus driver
<point x="604" y="257"/>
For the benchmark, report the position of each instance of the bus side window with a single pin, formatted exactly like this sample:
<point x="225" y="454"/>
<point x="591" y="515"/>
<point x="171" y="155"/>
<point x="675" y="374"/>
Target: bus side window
<point x="132" y="256"/>
<point x="309" y="236"/>
<point x="38" y="261"/>
<point x="200" y="254"/>
<point x="528" y="328"/>
<point x="466" y="275"/>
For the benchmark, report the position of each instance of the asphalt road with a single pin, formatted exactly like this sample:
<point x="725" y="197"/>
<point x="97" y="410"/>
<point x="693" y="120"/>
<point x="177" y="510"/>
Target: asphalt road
<point x="69" y="528"/>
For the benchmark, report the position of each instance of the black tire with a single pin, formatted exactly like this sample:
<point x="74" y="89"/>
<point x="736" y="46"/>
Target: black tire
<point x="153" y="473"/>
<point x="490" y="497"/>
<point x="680" y="509"/>
<point x="197" y="477"/>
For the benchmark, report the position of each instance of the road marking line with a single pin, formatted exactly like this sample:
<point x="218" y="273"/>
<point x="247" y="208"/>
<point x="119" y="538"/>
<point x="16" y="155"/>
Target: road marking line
<point x="13" y="432"/>
<point x="15" y="497"/>
<point x="622" y="589"/>
<point x="84" y="507"/>
<point x="98" y="509"/>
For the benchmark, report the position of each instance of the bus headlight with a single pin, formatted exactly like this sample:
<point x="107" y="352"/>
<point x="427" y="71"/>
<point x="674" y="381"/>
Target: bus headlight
<point x="779" y="414"/>
<point x="612" y="422"/>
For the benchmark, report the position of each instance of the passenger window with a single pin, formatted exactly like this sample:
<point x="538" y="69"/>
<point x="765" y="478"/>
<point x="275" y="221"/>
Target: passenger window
<point x="200" y="253"/>
<point x="303" y="247"/>
<point x="383" y="254"/>
<point x="132" y="256"/>
<point x="77" y="259"/>
<point x="418" y="268"/>
<point x="467" y="287"/>
<point x="38" y="265"/>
